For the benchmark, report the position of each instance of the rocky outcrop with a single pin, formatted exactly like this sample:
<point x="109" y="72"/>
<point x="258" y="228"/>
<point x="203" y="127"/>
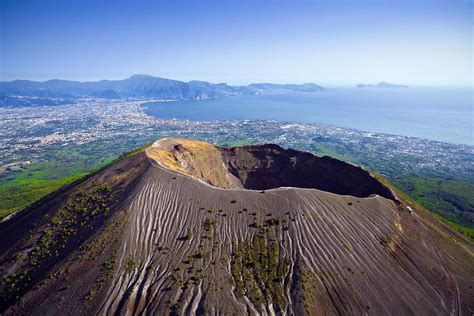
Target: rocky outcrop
<point x="265" y="167"/>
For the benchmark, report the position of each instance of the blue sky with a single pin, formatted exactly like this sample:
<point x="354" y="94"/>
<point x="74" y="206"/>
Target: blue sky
<point x="326" y="42"/>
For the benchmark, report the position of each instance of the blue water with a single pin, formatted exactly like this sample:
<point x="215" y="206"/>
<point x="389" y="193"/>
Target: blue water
<point x="432" y="113"/>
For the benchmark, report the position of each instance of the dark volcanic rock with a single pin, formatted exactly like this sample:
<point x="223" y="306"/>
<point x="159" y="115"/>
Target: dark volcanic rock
<point x="265" y="167"/>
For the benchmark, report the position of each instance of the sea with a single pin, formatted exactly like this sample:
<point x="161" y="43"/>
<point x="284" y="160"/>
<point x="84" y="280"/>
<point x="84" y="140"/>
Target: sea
<point x="440" y="114"/>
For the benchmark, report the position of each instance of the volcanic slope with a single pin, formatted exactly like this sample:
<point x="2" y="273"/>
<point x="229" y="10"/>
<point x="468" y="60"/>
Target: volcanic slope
<point x="184" y="227"/>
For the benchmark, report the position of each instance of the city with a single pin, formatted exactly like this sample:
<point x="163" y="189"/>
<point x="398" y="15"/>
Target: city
<point x="27" y="134"/>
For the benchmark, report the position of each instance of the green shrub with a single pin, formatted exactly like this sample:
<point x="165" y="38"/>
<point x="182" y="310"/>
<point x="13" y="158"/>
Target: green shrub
<point x="131" y="264"/>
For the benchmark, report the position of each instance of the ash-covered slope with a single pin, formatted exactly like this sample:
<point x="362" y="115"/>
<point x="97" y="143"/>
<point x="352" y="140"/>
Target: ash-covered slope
<point x="174" y="229"/>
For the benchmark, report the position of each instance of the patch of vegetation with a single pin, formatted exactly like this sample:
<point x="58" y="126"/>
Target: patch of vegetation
<point x="131" y="264"/>
<point x="305" y="283"/>
<point x="258" y="270"/>
<point x="110" y="236"/>
<point x="60" y="166"/>
<point x="95" y="247"/>
<point x="175" y="309"/>
<point x="324" y="150"/>
<point x="451" y="199"/>
<point x="11" y="284"/>
<point x="55" y="232"/>
<point x="79" y="210"/>
<point x="208" y="224"/>
<point x="384" y="241"/>
<point x="467" y="231"/>
<point x="235" y="142"/>
<point x="31" y="183"/>
<point x="199" y="255"/>
<point x="255" y="225"/>
<point x="272" y="222"/>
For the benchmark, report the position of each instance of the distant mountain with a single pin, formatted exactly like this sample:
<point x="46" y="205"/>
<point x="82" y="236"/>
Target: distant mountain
<point x="381" y="84"/>
<point x="105" y="94"/>
<point x="305" y="87"/>
<point x="140" y="86"/>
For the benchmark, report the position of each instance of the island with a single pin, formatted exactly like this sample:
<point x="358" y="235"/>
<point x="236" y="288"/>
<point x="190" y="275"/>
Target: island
<point x="381" y="84"/>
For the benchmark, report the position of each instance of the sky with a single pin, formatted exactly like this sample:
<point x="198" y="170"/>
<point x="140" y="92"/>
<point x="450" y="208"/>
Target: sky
<point x="239" y="42"/>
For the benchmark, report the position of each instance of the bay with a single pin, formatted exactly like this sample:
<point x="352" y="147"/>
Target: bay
<point x="441" y="114"/>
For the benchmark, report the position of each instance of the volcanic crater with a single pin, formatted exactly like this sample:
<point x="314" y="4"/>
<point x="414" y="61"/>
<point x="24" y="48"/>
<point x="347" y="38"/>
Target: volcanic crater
<point x="263" y="167"/>
<point x="183" y="227"/>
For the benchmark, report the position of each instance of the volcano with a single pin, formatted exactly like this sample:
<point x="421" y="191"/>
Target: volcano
<point x="185" y="227"/>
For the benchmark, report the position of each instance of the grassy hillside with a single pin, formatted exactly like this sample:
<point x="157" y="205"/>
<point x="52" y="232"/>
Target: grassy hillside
<point x="467" y="231"/>
<point x="30" y="183"/>
<point x="452" y="199"/>
<point x="23" y="187"/>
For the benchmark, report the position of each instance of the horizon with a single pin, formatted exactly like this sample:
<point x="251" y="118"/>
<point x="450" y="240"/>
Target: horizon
<point x="297" y="157"/>
<point x="344" y="43"/>
<point x="322" y="84"/>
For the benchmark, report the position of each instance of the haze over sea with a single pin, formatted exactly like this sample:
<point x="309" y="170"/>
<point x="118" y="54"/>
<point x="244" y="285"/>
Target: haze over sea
<point x="441" y="114"/>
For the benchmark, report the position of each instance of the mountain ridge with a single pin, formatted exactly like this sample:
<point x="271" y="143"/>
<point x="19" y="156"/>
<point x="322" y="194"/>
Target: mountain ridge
<point x="142" y="86"/>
